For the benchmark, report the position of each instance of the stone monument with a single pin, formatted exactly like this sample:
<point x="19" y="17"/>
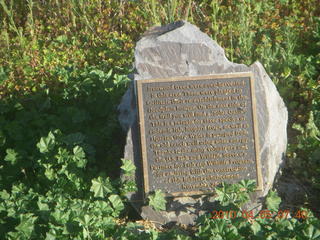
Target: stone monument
<point x="195" y="119"/>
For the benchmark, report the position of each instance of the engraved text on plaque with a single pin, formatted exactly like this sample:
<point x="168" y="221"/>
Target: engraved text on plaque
<point x="197" y="132"/>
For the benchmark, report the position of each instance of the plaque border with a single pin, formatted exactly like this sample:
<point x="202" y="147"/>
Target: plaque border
<point x="141" y="122"/>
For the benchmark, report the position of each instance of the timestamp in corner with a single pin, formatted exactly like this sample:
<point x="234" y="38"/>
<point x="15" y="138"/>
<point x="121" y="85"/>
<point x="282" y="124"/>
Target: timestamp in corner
<point x="263" y="214"/>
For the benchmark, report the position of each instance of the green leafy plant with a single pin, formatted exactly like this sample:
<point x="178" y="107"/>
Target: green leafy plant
<point x="157" y="200"/>
<point x="272" y="223"/>
<point x="101" y="187"/>
<point x="273" y="201"/>
<point x="128" y="167"/>
<point x="235" y="194"/>
<point x="63" y="70"/>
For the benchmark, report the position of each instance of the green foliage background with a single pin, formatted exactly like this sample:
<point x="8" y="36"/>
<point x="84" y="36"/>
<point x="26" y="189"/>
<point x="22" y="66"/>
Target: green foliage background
<point x="63" y="67"/>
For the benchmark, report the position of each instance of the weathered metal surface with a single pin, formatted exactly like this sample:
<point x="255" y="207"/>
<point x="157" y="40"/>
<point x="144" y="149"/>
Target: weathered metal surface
<point x="197" y="132"/>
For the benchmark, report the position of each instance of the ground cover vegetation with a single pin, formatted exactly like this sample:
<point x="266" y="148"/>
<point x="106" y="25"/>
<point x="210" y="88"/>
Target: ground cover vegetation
<point x="63" y="67"/>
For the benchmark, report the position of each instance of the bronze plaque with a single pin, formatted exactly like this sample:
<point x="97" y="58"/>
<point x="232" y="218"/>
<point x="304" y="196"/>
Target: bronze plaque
<point x="197" y="132"/>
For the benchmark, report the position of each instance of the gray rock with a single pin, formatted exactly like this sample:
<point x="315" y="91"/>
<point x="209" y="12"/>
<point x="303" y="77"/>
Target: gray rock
<point x="181" y="49"/>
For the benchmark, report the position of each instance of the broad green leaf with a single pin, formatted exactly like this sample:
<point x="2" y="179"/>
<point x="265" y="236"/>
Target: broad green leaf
<point x="116" y="202"/>
<point x="85" y="232"/>
<point x="4" y="195"/>
<point x="46" y="143"/>
<point x="26" y="225"/>
<point x="128" y="167"/>
<point x="224" y="230"/>
<point x="255" y="227"/>
<point x="108" y="223"/>
<point x="273" y="201"/>
<point x="103" y="207"/>
<point x="248" y="185"/>
<point x="12" y="156"/>
<point x="153" y="234"/>
<point x="101" y="187"/>
<point x="312" y="232"/>
<point x="51" y="235"/>
<point x="157" y="200"/>
<point x="220" y="195"/>
<point x="128" y="186"/>
<point x="79" y="157"/>
<point x="61" y="217"/>
<point x="42" y="205"/>
<point x="49" y="172"/>
<point x="18" y="189"/>
<point x="85" y="220"/>
<point x="63" y="155"/>
<point x="285" y="224"/>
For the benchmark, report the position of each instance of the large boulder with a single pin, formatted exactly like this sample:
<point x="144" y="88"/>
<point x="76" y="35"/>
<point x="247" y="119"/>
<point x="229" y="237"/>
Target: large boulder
<point x="181" y="49"/>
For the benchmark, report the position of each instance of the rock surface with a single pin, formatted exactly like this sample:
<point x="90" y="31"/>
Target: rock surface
<point x="181" y="49"/>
